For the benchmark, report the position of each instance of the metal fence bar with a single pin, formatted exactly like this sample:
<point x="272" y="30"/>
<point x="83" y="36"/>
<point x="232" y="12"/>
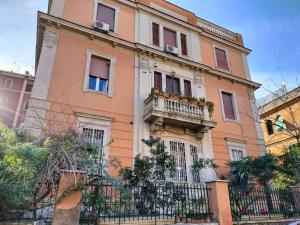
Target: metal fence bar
<point x="253" y="202"/>
<point x="120" y="203"/>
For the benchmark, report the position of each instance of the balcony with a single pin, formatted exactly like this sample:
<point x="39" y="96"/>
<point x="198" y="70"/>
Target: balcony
<point x="161" y="109"/>
<point x="216" y="29"/>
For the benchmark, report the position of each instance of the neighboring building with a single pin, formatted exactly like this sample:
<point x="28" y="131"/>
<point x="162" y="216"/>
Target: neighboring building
<point x="98" y="60"/>
<point x="280" y="119"/>
<point x="15" y="91"/>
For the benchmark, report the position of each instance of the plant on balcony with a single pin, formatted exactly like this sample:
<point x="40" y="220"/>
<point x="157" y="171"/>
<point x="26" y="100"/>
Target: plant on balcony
<point x="210" y="108"/>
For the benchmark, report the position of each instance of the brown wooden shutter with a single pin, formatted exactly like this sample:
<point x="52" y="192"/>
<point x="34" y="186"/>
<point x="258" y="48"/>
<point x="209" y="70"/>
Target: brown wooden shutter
<point x="169" y="85"/>
<point x="221" y="59"/>
<point x="176" y="85"/>
<point x="183" y="44"/>
<point x="155" y="34"/>
<point x="107" y="15"/>
<point x="187" y="88"/>
<point x="99" y="67"/>
<point x="169" y="37"/>
<point x="157" y="81"/>
<point x="228" y="105"/>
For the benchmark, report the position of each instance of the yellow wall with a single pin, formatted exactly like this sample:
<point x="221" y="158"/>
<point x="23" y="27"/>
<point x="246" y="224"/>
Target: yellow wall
<point x="280" y="140"/>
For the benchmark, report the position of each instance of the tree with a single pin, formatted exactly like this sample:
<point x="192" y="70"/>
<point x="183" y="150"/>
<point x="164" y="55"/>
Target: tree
<point x="156" y="167"/>
<point x="30" y="171"/>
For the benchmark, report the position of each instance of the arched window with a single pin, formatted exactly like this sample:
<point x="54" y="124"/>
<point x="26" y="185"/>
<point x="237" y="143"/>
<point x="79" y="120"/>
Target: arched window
<point x="269" y="125"/>
<point x="279" y="123"/>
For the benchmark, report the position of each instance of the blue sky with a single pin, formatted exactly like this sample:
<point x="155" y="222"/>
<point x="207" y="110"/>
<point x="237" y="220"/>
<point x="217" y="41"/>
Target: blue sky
<point x="271" y="28"/>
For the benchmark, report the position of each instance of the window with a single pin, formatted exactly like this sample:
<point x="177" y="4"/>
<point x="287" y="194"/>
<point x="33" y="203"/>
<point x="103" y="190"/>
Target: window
<point x="155" y="34"/>
<point x="28" y="87"/>
<point x="170" y="37"/>
<point x="177" y="150"/>
<point x="8" y="84"/>
<point x="237" y="150"/>
<point x="187" y="88"/>
<point x="195" y="158"/>
<point x="106" y="14"/>
<point x="99" y="74"/>
<point x="221" y="59"/>
<point x="269" y="125"/>
<point x="228" y="106"/>
<point x="183" y="44"/>
<point x="172" y="85"/>
<point x="237" y="154"/>
<point x="93" y="137"/>
<point x="158" y="81"/>
<point x="279" y="123"/>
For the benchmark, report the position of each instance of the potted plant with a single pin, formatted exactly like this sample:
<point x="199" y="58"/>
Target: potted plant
<point x="193" y="100"/>
<point x="178" y="215"/>
<point x="210" y="108"/>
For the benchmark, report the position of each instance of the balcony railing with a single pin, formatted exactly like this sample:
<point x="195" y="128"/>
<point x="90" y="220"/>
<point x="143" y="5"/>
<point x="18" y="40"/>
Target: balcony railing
<point x="216" y="29"/>
<point x="177" y="112"/>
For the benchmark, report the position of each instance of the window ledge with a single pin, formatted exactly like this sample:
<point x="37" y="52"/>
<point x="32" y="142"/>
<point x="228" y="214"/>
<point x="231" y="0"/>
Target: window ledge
<point x="97" y="92"/>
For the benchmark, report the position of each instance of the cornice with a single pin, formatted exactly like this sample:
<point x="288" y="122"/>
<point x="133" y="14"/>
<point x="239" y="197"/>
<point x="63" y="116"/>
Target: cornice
<point x="201" y="31"/>
<point x="48" y="20"/>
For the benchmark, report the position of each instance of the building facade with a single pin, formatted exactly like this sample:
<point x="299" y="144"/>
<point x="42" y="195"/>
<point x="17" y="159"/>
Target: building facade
<point x="15" y="91"/>
<point x="121" y="71"/>
<point x="280" y="119"/>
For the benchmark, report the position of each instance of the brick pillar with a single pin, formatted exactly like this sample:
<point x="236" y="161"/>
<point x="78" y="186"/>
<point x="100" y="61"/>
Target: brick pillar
<point x="219" y="201"/>
<point x="67" y="209"/>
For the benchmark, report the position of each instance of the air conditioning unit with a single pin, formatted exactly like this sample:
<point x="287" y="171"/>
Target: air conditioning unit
<point x="171" y="49"/>
<point x="104" y="27"/>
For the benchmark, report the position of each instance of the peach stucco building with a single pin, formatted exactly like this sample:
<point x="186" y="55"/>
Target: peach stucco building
<point x="122" y="70"/>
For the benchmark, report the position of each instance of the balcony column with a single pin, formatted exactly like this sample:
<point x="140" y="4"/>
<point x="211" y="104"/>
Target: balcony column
<point x="161" y="103"/>
<point x="205" y="113"/>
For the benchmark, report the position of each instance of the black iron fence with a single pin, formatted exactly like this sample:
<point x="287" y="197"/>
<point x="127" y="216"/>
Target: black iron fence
<point x="254" y="203"/>
<point x="40" y="213"/>
<point x="115" y="201"/>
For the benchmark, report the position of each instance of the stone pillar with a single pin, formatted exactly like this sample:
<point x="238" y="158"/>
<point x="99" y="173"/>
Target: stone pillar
<point x="67" y="209"/>
<point x="219" y="202"/>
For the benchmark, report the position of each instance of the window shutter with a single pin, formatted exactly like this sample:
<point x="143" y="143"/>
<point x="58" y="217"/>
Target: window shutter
<point x="155" y="34"/>
<point x="183" y="44"/>
<point x="157" y="81"/>
<point x="221" y="59"/>
<point x="187" y="88"/>
<point x="169" y="37"/>
<point x="176" y="86"/>
<point x="169" y="86"/>
<point x="107" y="15"/>
<point x="228" y="106"/>
<point x="99" y="67"/>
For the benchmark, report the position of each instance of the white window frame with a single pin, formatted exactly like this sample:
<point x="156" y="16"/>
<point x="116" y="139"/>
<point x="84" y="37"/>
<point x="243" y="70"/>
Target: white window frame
<point x="181" y="81"/>
<point x="227" y="58"/>
<point x="236" y="145"/>
<point x="112" y="66"/>
<point x="99" y="123"/>
<point x="235" y="106"/>
<point x="108" y="4"/>
<point x="161" y="37"/>
<point x="6" y="81"/>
